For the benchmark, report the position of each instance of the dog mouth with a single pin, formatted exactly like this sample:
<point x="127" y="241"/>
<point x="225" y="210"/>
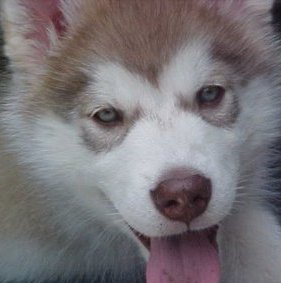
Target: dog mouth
<point x="188" y="258"/>
<point x="146" y="241"/>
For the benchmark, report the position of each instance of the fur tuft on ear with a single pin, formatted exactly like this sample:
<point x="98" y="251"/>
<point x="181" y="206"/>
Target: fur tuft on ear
<point x="259" y="6"/>
<point x="32" y="28"/>
<point x="243" y="8"/>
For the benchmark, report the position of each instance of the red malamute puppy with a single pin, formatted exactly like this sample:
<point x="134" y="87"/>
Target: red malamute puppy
<point x="130" y="121"/>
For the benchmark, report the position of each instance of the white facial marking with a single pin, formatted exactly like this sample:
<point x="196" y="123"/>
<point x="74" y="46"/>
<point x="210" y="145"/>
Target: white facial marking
<point x="164" y="138"/>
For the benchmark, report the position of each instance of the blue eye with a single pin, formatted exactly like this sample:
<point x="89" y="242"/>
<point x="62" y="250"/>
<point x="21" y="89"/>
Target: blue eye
<point x="210" y="96"/>
<point x="108" y="116"/>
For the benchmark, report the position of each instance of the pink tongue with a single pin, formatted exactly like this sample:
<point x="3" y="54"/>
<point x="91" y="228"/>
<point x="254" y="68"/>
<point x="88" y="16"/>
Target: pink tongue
<point x="190" y="258"/>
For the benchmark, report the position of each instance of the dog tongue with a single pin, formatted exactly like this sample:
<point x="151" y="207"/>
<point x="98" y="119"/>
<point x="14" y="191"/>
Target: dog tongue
<point x="191" y="258"/>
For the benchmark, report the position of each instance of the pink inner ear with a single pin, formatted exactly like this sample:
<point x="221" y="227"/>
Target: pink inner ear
<point x="42" y="14"/>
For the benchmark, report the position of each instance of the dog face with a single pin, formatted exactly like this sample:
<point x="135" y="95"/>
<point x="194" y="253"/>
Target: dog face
<point x="110" y="105"/>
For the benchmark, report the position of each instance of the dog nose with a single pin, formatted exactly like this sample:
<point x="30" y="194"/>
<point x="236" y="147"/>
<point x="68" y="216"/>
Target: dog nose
<point x="183" y="198"/>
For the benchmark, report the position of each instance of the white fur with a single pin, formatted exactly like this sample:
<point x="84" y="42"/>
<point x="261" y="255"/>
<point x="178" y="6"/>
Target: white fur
<point x="250" y="247"/>
<point x="66" y="213"/>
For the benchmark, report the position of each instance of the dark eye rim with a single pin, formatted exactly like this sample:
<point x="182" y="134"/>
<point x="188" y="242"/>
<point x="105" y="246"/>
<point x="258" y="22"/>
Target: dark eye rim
<point x="213" y="103"/>
<point x="115" y="122"/>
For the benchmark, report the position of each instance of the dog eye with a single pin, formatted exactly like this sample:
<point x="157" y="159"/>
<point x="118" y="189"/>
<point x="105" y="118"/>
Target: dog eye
<point x="210" y="96"/>
<point x="108" y="116"/>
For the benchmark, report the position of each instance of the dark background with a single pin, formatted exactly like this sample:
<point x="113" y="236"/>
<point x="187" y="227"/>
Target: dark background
<point x="276" y="20"/>
<point x="3" y="60"/>
<point x="276" y="12"/>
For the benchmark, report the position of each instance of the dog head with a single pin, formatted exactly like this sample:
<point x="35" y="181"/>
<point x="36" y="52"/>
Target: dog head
<point x="151" y="109"/>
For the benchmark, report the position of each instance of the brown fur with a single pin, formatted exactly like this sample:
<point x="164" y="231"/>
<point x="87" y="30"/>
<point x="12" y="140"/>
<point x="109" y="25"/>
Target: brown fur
<point x="108" y="32"/>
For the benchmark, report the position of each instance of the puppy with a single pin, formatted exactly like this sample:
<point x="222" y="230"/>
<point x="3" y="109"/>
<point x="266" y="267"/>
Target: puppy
<point x="138" y="134"/>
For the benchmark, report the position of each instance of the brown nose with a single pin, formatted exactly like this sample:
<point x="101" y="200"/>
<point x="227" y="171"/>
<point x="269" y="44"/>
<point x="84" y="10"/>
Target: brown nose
<point x="183" y="198"/>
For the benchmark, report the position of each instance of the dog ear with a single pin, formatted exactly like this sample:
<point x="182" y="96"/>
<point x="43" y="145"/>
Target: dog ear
<point x="33" y="28"/>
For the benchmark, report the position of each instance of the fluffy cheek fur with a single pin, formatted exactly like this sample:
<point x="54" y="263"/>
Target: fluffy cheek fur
<point x="123" y="178"/>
